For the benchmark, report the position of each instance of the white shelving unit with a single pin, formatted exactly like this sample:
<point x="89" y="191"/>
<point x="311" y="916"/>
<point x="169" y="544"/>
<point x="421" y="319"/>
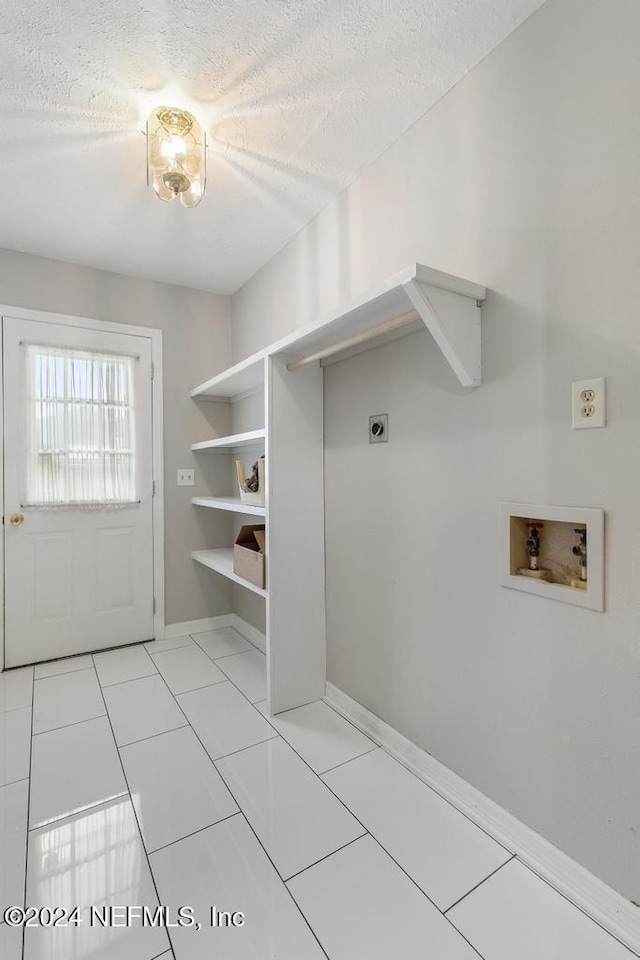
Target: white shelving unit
<point x="250" y="438"/>
<point x="243" y="378"/>
<point x="221" y="560"/>
<point x="290" y="374"/>
<point x="242" y="382"/>
<point x="230" y="504"/>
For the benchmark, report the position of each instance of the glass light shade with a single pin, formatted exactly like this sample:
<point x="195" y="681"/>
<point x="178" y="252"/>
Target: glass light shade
<point x="176" y="156"/>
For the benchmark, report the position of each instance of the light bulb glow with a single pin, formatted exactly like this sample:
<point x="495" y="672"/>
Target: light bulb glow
<point x="173" y="147"/>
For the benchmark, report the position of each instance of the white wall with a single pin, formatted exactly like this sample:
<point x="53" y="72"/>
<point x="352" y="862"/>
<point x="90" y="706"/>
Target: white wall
<point x="195" y="330"/>
<point x="525" y="178"/>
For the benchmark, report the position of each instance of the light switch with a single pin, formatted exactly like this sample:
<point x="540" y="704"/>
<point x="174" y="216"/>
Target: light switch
<point x="186" y="478"/>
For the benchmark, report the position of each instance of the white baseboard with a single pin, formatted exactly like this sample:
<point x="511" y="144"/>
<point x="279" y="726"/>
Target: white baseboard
<point x="607" y="907"/>
<point x="249" y="632"/>
<point x="198" y="626"/>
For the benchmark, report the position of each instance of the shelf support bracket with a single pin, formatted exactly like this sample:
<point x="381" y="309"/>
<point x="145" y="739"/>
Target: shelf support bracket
<point x="454" y="323"/>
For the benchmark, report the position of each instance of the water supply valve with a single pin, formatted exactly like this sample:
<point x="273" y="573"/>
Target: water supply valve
<point x="580" y="551"/>
<point x="533" y="548"/>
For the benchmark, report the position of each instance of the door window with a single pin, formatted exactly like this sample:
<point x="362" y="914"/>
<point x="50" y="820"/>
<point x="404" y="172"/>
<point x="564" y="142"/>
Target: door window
<point x="80" y="435"/>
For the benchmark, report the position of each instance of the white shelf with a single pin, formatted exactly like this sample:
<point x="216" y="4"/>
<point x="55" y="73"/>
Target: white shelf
<point x="244" y="377"/>
<point x="446" y="305"/>
<point x="232" y="504"/>
<point x="228" y="443"/>
<point x="222" y="562"/>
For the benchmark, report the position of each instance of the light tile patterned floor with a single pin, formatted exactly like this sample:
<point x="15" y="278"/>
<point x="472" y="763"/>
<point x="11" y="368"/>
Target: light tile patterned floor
<point x="152" y="775"/>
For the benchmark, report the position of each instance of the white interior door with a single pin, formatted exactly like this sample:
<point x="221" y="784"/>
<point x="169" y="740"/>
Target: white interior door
<point x="78" y="490"/>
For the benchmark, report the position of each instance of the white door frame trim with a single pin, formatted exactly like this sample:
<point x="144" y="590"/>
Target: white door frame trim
<point x="155" y="336"/>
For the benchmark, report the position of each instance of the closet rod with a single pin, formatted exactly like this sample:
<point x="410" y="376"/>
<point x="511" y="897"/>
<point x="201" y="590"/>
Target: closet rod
<point x="400" y="321"/>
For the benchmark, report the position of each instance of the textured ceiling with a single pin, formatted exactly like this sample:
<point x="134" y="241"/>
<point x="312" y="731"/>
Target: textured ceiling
<point x="296" y="95"/>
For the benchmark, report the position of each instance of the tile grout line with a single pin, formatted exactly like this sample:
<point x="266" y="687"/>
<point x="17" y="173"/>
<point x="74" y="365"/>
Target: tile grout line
<point x="157" y="672"/>
<point x="377" y="842"/>
<point x="343" y="763"/>
<point x="234" y="753"/>
<point x="484" y="880"/>
<point x="180" y="636"/>
<point x="203" y="687"/>
<point x="152" y="736"/>
<point x="277" y="872"/>
<point x="78" y="811"/>
<point x="240" y="653"/>
<point x="405" y="872"/>
<point x="243" y="815"/>
<point x="415" y="883"/>
<point x="251" y="649"/>
<point x="61" y="673"/>
<point x="479" y="827"/>
<point x="277" y="735"/>
<point x="225" y="656"/>
<point x="327" y="855"/>
<point x="339" y="801"/>
<point x="135" y="814"/>
<point x="159" y="956"/>
<point x="10" y="783"/>
<point x="577" y="906"/>
<point x="319" y="775"/>
<point x="183" y="646"/>
<point x="235" y="684"/>
<point x="119" y="683"/>
<point x="5" y="713"/>
<point x="366" y="831"/>
<point x="127" y="679"/>
<point x="163" y="733"/>
<point x="26" y="839"/>
<point x="65" y="726"/>
<point x="65" y="673"/>
<point x="421" y="780"/>
<point x="194" y="833"/>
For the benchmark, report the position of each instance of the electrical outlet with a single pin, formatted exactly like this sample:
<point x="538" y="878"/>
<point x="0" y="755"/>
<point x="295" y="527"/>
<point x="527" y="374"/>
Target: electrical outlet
<point x="588" y="404"/>
<point x="378" y="428"/>
<point x="186" y="478"/>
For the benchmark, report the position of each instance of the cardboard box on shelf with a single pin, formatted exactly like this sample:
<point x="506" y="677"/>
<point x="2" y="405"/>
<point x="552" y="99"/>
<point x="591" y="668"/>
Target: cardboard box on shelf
<point x="248" y="557"/>
<point x="257" y="498"/>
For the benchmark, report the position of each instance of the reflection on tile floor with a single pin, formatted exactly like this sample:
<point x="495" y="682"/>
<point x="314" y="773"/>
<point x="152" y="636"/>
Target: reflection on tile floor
<point x="154" y="771"/>
<point x="93" y="860"/>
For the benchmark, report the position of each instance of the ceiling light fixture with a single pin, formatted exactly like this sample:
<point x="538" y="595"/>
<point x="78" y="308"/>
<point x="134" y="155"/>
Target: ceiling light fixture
<point x="176" y="155"/>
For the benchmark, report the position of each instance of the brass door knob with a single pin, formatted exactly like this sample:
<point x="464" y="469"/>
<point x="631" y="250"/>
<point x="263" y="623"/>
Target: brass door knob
<point x="16" y="519"/>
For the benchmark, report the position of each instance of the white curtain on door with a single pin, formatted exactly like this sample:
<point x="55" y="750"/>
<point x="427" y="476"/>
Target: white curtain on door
<point x="80" y="430"/>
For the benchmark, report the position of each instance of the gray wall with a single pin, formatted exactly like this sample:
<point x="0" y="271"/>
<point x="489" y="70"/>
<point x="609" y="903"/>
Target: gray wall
<point x="195" y="331"/>
<point x="525" y="178"/>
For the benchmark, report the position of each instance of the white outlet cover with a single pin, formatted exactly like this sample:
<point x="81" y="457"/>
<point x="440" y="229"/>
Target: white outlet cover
<point x="580" y="419"/>
<point x="186" y="477"/>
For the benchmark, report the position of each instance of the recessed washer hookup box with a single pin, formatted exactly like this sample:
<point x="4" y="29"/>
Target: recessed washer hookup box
<point x="552" y="551"/>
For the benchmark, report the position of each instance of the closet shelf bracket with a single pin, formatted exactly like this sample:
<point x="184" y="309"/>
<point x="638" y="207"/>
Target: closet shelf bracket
<point x="448" y="306"/>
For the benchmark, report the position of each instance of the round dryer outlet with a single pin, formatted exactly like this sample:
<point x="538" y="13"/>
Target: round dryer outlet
<point x="378" y="428"/>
